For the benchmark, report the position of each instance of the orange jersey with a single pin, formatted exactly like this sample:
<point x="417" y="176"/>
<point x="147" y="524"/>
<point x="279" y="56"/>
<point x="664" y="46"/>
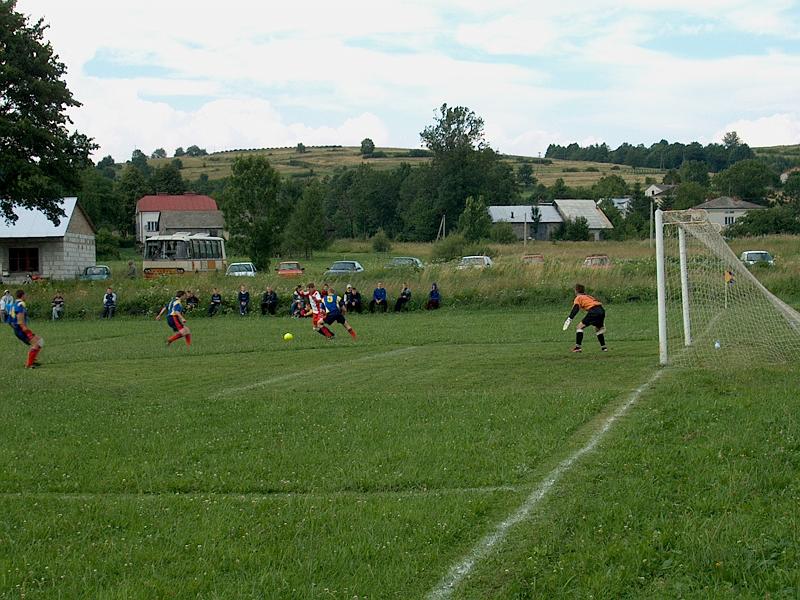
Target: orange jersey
<point x="586" y="302"/>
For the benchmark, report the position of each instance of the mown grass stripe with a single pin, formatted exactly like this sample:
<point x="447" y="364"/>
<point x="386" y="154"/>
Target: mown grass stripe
<point x="464" y="567"/>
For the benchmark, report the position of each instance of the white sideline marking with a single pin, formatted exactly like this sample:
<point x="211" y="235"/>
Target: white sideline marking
<point x="464" y="567"/>
<point x="288" y="376"/>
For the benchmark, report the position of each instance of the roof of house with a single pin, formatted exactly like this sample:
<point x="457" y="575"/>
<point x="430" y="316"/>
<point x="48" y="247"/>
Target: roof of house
<point x="522" y="213"/>
<point x="34" y="224"/>
<point x="211" y="219"/>
<point x="728" y="203"/>
<point x="572" y="209"/>
<point x="179" y="202"/>
<point x="662" y="188"/>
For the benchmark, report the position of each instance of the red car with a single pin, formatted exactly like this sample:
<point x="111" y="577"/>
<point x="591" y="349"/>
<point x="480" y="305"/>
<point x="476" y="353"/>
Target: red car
<point x="290" y="269"/>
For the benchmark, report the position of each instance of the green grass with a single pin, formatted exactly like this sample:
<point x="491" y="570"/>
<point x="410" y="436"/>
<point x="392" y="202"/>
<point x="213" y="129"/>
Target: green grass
<point x="251" y="467"/>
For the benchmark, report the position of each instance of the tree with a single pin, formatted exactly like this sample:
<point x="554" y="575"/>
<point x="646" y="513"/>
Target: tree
<point x="456" y="128"/>
<point x="610" y="186"/>
<point x="159" y="153"/>
<point x="167" y="179"/>
<point x="132" y="185"/>
<point x="179" y="151"/>
<point x="301" y="148"/>
<point x="688" y="195"/>
<point x="40" y="160"/>
<point x="791" y="189"/>
<point x="475" y="222"/>
<point x="503" y="233"/>
<point x="251" y="208"/>
<point x="139" y="162"/>
<point x="731" y="140"/>
<point x="671" y="177"/>
<point x="367" y="147"/>
<point x="525" y="174"/>
<point x="576" y="230"/>
<point x="100" y="199"/>
<point x="105" y="162"/>
<point x="196" y="151"/>
<point x="748" y="180"/>
<point x="778" y="219"/>
<point x="305" y="231"/>
<point x="695" y="171"/>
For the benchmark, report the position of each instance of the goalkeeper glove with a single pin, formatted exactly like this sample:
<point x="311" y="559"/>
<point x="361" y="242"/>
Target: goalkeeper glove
<point x="566" y="324"/>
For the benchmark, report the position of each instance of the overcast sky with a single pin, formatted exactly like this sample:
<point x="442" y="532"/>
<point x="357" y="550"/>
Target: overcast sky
<point x="236" y="74"/>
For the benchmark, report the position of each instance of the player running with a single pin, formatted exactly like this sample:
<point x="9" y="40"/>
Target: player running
<point x="317" y="311"/>
<point x="18" y="319"/>
<point x="333" y="312"/>
<point x="595" y="316"/>
<point x="176" y="321"/>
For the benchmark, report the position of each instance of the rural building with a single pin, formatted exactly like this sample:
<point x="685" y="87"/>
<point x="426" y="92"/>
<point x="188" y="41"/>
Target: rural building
<point x="623" y="205"/>
<point x="725" y="210"/>
<point x="657" y="192"/>
<point x="573" y="209"/>
<point x="165" y="214"/>
<point x="33" y="245"/>
<point x="538" y="229"/>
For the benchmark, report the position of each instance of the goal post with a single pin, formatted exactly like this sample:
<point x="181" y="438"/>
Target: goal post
<point x="711" y="307"/>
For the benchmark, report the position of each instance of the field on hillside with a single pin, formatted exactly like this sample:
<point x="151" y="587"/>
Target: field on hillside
<point x="321" y="161"/>
<point x="251" y="467"/>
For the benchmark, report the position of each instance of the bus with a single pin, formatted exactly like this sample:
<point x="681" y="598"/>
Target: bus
<point x="181" y="253"/>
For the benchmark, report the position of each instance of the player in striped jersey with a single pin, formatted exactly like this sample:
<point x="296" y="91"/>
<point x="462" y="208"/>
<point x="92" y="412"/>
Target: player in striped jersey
<point x="176" y="321"/>
<point x="18" y="319"/>
<point x="595" y="316"/>
<point x="317" y="311"/>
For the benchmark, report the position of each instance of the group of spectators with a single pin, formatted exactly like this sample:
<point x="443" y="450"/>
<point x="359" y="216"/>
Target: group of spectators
<point x="300" y="305"/>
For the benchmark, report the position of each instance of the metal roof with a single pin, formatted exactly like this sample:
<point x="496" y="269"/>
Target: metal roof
<point x="522" y="213"/>
<point x="34" y="224"/>
<point x="572" y="209"/>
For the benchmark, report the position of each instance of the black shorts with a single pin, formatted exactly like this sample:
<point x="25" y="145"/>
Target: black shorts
<point x="22" y="336"/>
<point x="336" y="317"/>
<point x="174" y="324"/>
<point x="595" y="317"/>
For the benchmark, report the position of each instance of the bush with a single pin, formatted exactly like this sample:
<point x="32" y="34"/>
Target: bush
<point x="449" y="248"/>
<point x="570" y="170"/>
<point x="591" y="170"/>
<point x="419" y="153"/>
<point x="503" y="233"/>
<point x="381" y="242"/>
<point x="107" y="245"/>
<point x="614" y="168"/>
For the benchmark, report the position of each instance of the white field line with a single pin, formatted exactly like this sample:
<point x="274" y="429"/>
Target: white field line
<point x="304" y="372"/>
<point x="481" y="550"/>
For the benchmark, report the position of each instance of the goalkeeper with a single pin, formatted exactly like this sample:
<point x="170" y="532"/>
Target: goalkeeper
<point x="595" y="316"/>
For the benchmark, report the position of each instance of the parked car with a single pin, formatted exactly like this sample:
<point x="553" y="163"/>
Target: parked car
<point x="241" y="269"/>
<point x="344" y="267"/>
<point x="533" y="259"/>
<point x="96" y="273"/>
<point x="474" y="262"/>
<point x="597" y="261"/>
<point x="289" y="269"/>
<point x="756" y="257"/>
<point x="404" y="262"/>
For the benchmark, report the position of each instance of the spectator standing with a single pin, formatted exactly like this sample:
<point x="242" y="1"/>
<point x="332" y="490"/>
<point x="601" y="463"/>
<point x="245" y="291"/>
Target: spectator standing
<point x="269" y="301"/>
<point x="131" y="270"/>
<point x="379" y="300"/>
<point x="6" y="303"/>
<point x="433" y="298"/>
<point x="58" y="306"/>
<point x="109" y="303"/>
<point x="216" y="302"/>
<point x="403" y="298"/>
<point x="352" y="300"/>
<point x="244" y="301"/>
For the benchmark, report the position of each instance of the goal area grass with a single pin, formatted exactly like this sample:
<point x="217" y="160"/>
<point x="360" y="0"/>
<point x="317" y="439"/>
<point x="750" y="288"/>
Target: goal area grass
<point x="248" y="466"/>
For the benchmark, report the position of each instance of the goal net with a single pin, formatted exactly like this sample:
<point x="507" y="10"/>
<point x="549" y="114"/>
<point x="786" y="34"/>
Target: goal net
<point x="712" y="309"/>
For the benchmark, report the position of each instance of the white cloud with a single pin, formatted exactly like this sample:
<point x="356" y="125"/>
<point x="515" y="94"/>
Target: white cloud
<point x="775" y="130"/>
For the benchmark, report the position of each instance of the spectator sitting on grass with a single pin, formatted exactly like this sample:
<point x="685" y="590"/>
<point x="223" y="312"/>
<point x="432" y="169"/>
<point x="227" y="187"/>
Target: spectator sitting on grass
<point x="269" y="301"/>
<point x="216" y="302"/>
<point x="58" y="306"/>
<point x="109" y="303"/>
<point x="433" y="298"/>
<point x="403" y="298"/>
<point x="378" y="299"/>
<point x="191" y="300"/>
<point x="298" y="302"/>
<point x="352" y="300"/>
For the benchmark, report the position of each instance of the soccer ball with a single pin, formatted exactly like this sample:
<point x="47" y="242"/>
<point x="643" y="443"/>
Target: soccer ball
<point x="717" y="345"/>
<point x="288" y="337"/>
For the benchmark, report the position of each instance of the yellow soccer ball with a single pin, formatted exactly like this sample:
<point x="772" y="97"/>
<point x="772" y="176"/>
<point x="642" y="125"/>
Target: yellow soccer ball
<point x="288" y="337"/>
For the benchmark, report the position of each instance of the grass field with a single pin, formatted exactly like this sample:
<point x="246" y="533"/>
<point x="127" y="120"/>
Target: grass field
<point x="251" y="467"/>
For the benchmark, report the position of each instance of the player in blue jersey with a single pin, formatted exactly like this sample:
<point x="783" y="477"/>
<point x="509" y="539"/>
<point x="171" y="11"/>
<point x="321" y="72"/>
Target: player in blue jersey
<point x="18" y="319"/>
<point x="176" y="321"/>
<point x="332" y="305"/>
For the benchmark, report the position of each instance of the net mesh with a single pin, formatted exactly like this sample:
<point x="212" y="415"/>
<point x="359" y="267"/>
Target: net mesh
<point x="732" y="318"/>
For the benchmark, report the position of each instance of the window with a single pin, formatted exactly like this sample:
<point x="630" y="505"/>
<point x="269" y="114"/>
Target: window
<point x="152" y="226"/>
<point x="730" y="220"/>
<point x="22" y="260"/>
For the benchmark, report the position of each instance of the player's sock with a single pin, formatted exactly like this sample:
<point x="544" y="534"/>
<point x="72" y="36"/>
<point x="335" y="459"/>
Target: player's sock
<point x="172" y="338"/>
<point x="188" y="338"/>
<point x="325" y="331"/>
<point x="352" y="333"/>
<point x="578" y="338"/>
<point x="602" y="339"/>
<point x="32" y="353"/>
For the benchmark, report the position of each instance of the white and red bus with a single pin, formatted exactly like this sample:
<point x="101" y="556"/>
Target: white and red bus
<point x="181" y="253"/>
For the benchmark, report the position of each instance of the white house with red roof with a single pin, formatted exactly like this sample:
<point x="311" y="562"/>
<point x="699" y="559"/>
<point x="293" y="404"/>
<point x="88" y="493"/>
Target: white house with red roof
<point x="165" y="214"/>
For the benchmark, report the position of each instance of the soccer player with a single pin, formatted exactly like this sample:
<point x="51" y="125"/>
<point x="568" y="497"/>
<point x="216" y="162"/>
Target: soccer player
<point x="176" y="321"/>
<point x="595" y="316"/>
<point x="333" y="312"/>
<point x="317" y="311"/>
<point x="18" y="319"/>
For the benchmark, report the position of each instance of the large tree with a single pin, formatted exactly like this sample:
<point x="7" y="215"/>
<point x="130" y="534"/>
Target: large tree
<point x="40" y="160"/>
<point x="749" y="180"/>
<point x="305" y="231"/>
<point x="251" y="208"/>
<point x="475" y="222"/>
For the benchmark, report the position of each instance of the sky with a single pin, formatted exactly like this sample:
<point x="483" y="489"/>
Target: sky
<point x="255" y="74"/>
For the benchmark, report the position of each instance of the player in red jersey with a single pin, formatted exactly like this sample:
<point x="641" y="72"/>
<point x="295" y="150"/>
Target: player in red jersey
<point x="317" y="311"/>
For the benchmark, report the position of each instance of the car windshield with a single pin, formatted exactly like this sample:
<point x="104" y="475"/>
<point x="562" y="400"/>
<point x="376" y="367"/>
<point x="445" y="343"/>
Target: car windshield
<point x="342" y="266"/>
<point x="472" y="260"/>
<point x="288" y="266"/>
<point x="402" y="261"/>
<point x="95" y="271"/>
<point x="759" y="256"/>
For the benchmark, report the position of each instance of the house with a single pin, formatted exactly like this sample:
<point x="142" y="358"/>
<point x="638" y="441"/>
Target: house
<point x="623" y="205"/>
<point x="522" y="220"/>
<point x="657" y="192"/>
<point x="165" y="214"/>
<point x="33" y="245"/>
<point x="725" y="210"/>
<point x="597" y="220"/>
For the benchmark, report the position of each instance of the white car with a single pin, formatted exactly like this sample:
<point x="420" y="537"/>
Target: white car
<point x="243" y="269"/>
<point x="755" y="257"/>
<point x="474" y="262"/>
